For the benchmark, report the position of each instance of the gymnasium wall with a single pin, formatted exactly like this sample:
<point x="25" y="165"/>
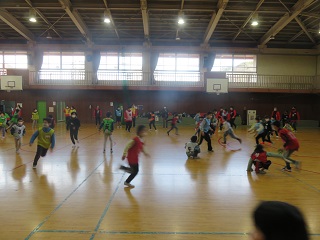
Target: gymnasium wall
<point x="287" y="65"/>
<point x="175" y="101"/>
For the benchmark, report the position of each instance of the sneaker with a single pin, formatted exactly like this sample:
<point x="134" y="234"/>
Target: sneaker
<point x="128" y="185"/>
<point x="285" y="169"/>
<point x="261" y="172"/>
<point x="34" y="166"/>
<point x="210" y="150"/>
<point x="297" y="165"/>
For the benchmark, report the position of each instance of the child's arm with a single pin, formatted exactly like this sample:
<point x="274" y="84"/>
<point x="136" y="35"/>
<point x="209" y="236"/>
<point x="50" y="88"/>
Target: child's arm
<point x="24" y="132"/>
<point x="145" y="152"/>
<point x="33" y="137"/>
<point x="53" y="141"/>
<point x="129" y="145"/>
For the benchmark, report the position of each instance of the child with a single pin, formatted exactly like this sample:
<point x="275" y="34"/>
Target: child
<point x="3" y="121"/>
<point x="267" y="130"/>
<point x="259" y="159"/>
<point x="107" y="125"/>
<point x="205" y="129"/>
<point x="18" y="131"/>
<point x="128" y="119"/>
<point x="228" y="131"/>
<point x="131" y="152"/>
<point x="35" y="118"/>
<point x="152" y="120"/>
<point x="192" y="148"/>
<point x="291" y="145"/>
<point x="294" y="118"/>
<point x="46" y="139"/>
<point x="52" y="122"/>
<point x="14" y="119"/>
<point x="74" y="125"/>
<point x="174" y="122"/>
<point x="285" y="118"/>
<point x="118" y="117"/>
<point x="258" y="128"/>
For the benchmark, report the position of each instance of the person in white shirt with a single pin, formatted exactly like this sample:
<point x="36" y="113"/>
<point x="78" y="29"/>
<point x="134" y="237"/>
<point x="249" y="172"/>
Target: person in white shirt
<point x="18" y="131"/>
<point x="192" y="148"/>
<point x="228" y="131"/>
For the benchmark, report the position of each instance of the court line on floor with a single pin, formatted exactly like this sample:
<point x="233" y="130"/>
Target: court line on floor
<point x="106" y="208"/>
<point x="61" y="203"/>
<point x="153" y="233"/>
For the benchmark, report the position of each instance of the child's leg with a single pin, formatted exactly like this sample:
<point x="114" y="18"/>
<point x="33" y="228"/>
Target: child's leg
<point x="71" y="136"/>
<point x="225" y="136"/>
<point x="170" y="129"/>
<point x="231" y="133"/>
<point x="135" y="170"/>
<point x="129" y="126"/>
<point x="257" y="139"/>
<point x="41" y="152"/>
<point x="105" y="141"/>
<point x="19" y="143"/>
<point x="16" y="141"/>
<point x="249" y="167"/>
<point x="175" y="126"/>
<point x="76" y="134"/>
<point x="110" y="137"/>
<point x="154" y="125"/>
<point x="150" y="125"/>
<point x="3" y="131"/>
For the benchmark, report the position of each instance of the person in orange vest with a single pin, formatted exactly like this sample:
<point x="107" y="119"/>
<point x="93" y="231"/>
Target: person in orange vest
<point x="134" y="111"/>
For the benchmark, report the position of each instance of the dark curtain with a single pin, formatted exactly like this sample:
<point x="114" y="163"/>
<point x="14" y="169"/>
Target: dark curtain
<point x="209" y="61"/>
<point x="37" y="60"/>
<point x="154" y="56"/>
<point x="95" y="65"/>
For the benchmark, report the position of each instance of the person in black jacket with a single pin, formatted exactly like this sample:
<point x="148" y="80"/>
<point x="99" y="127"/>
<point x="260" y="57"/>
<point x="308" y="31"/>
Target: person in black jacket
<point x="73" y="124"/>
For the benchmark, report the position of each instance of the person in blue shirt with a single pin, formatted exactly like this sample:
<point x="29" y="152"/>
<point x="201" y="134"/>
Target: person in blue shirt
<point x="118" y="116"/>
<point x="258" y="130"/>
<point x="205" y="129"/>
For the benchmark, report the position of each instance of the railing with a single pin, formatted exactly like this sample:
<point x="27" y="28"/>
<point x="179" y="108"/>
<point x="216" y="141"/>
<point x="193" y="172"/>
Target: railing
<point x="170" y="79"/>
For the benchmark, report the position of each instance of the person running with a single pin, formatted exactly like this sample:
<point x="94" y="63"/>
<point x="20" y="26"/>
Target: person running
<point x="131" y="152"/>
<point x="205" y="131"/>
<point x="174" y="122"/>
<point x="228" y="131"/>
<point x="74" y="125"/>
<point x="128" y="119"/>
<point x="152" y="121"/>
<point x="3" y="121"/>
<point x="46" y="140"/>
<point x="18" y="131"/>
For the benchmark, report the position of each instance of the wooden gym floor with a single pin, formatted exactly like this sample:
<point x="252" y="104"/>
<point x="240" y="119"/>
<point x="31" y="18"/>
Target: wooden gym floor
<point x="79" y="193"/>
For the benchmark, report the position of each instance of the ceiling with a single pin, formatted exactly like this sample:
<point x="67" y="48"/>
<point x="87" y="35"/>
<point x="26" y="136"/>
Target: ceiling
<point x="225" y="23"/>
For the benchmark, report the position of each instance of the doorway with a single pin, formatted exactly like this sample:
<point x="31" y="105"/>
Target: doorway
<point x="60" y="111"/>
<point x="42" y="109"/>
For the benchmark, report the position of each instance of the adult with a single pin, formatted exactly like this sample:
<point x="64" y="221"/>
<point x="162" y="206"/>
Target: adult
<point x="164" y="115"/>
<point x="205" y="131"/>
<point x="276" y="220"/>
<point x="97" y="113"/>
<point x="294" y="117"/>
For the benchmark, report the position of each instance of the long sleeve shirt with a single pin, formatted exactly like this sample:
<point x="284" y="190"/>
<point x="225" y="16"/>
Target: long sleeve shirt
<point x="205" y="125"/>
<point x="46" y="137"/>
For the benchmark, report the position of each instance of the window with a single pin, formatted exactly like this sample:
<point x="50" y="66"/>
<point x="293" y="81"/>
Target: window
<point x="63" y="66"/>
<point x="13" y="60"/>
<point x="178" y="67"/>
<point x="239" y="68"/>
<point x="120" y="66"/>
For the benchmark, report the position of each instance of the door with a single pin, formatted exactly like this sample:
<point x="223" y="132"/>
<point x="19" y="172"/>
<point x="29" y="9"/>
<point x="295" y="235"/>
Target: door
<point x="60" y="113"/>
<point x="42" y="109"/>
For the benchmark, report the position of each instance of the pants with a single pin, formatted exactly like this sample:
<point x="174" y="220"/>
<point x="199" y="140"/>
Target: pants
<point x="152" y="123"/>
<point x="67" y="119"/>
<point x="258" y="137"/>
<point x="267" y="135"/>
<point x="207" y="138"/>
<point x="98" y="120"/>
<point x="164" y="122"/>
<point x="232" y="122"/>
<point x="285" y="156"/>
<point x="134" y="121"/>
<point x="74" y="134"/>
<point x="134" y="172"/>
<point x="34" y="124"/>
<point x="294" y="125"/>
<point x="128" y="126"/>
<point x="173" y="126"/>
<point x="41" y="152"/>
<point x="231" y="133"/>
<point x="258" y="165"/>
<point x="106" y="137"/>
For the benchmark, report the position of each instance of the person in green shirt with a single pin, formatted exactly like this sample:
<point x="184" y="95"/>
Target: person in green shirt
<point x="35" y="118"/>
<point x="107" y="126"/>
<point x="3" y="121"/>
<point x="14" y="119"/>
<point x="46" y="140"/>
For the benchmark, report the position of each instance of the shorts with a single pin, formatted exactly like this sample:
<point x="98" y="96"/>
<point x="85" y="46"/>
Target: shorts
<point x="118" y="119"/>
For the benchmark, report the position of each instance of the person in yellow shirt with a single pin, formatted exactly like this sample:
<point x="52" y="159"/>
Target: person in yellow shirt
<point x="35" y="118"/>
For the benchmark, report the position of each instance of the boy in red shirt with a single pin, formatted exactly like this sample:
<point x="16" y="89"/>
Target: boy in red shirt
<point x="174" y="122"/>
<point x="291" y="144"/>
<point x="131" y="152"/>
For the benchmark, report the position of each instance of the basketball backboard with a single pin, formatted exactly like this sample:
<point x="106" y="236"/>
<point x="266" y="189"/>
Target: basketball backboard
<point x="217" y="85"/>
<point x="11" y="83"/>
